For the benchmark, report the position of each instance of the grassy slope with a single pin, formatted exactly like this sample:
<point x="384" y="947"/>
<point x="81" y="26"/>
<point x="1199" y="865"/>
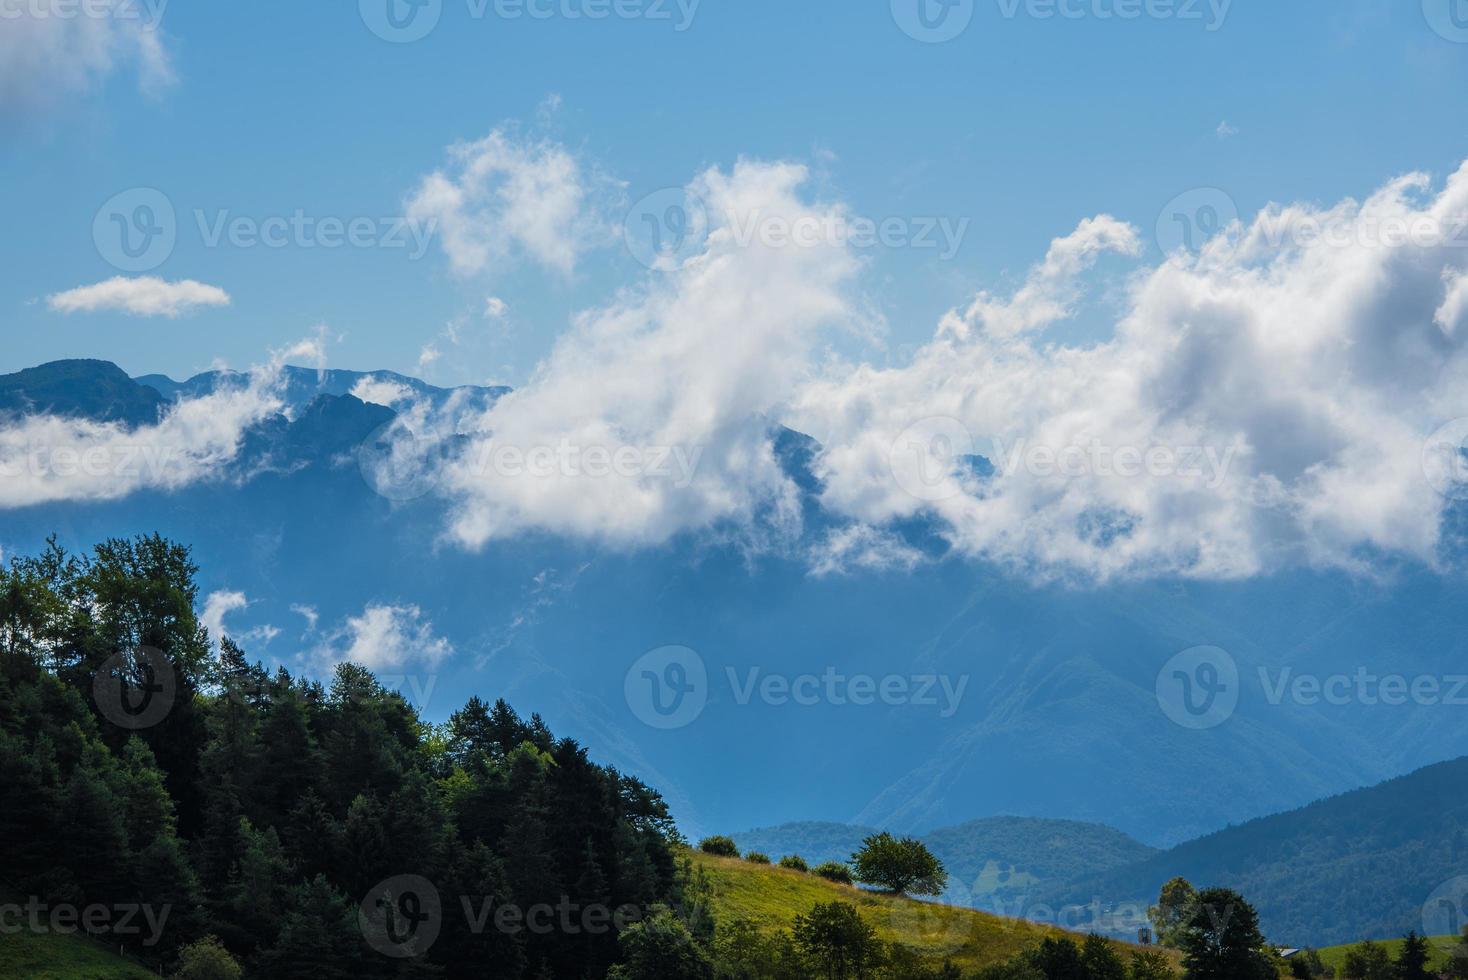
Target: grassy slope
<point x="1335" y="956"/>
<point x="55" y="956"/>
<point x="771" y="897"/>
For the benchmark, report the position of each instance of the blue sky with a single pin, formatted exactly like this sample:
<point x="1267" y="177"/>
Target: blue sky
<point x="1020" y="126"/>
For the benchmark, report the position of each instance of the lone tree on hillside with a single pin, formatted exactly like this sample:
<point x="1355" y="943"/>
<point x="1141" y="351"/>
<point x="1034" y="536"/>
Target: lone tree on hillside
<point x="901" y="867"/>
<point x="1220" y="939"/>
<point x="1172" y="910"/>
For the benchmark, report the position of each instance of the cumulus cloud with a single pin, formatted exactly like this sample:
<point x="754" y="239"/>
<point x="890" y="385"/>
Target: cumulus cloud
<point x="651" y="415"/>
<point x="50" y="49"/>
<point x="494" y="308"/>
<point x="1265" y="401"/>
<point x="505" y="196"/>
<point x="140" y="296"/>
<point x="384" y="637"/>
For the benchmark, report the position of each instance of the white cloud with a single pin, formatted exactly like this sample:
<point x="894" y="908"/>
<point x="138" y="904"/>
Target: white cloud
<point x="865" y="548"/>
<point x="504" y="196"/>
<point x="141" y="296"/>
<point x="50" y="49"/>
<point x="384" y="637"/>
<point x="218" y="605"/>
<point x="309" y="614"/>
<point x="1454" y="311"/>
<point x="694" y="364"/>
<point x="46" y="458"/>
<point x="494" y="308"/>
<point x="1227" y="130"/>
<point x="381" y="391"/>
<point x="1312" y="367"/>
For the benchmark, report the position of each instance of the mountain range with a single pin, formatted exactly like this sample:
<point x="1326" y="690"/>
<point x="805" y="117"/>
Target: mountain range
<point x="1057" y="714"/>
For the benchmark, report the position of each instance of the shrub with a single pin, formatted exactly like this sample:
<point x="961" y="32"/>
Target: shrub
<point x="207" y="960"/>
<point x="719" y="846"/>
<point x="794" y="862"/>
<point x="755" y="857"/>
<point x="832" y="871"/>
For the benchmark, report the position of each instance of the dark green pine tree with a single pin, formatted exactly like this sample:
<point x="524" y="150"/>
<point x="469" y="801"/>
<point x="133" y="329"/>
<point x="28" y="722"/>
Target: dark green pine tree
<point x="1413" y="958"/>
<point x="474" y="945"/>
<point x="319" y="937"/>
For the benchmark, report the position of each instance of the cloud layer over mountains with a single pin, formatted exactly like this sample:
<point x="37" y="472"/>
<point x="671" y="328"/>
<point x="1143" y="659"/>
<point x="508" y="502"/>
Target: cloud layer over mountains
<point x="1266" y="401"/>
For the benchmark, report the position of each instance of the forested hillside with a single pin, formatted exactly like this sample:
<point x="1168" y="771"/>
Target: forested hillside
<point x="186" y="794"/>
<point x="1358" y="865"/>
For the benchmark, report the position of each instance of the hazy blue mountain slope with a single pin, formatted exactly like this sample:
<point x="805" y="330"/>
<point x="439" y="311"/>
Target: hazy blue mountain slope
<point x="1359" y="865"/>
<point x="97" y="390"/>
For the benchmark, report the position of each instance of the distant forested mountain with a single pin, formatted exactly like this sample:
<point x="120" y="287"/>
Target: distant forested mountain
<point x="1366" y="864"/>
